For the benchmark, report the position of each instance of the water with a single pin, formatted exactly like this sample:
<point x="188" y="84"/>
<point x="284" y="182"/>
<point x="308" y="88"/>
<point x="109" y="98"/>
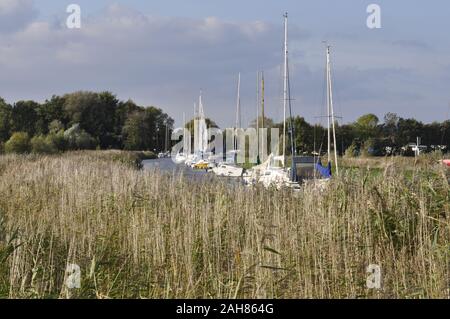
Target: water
<point x="166" y="165"/>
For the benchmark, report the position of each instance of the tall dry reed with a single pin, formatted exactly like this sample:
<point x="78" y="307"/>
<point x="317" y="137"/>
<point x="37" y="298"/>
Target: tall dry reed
<point x="142" y="234"/>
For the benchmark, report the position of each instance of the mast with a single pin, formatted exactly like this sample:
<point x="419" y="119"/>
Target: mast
<point x="195" y="128"/>
<point x="257" y="110"/>
<point x="238" y="112"/>
<point x="262" y="115"/>
<point x="285" y="83"/>
<point x="331" y="113"/>
<point x="185" y="141"/>
<point x="166" y="142"/>
<point x="238" y="103"/>
<point x="328" y="103"/>
<point x="203" y="139"/>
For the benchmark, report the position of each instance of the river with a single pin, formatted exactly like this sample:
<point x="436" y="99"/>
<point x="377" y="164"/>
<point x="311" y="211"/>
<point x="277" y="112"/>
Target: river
<point x="166" y="165"/>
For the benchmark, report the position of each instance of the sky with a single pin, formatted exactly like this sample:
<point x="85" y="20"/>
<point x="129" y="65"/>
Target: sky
<point x="162" y="53"/>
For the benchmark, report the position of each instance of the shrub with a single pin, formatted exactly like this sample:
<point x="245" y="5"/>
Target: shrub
<point x="58" y="141"/>
<point x="375" y="147"/>
<point x="84" y="141"/>
<point x="79" y="139"/>
<point x="42" y="145"/>
<point x="18" y="143"/>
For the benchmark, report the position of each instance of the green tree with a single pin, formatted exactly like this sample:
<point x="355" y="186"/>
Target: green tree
<point x="58" y="140"/>
<point x="55" y="126"/>
<point x="135" y="132"/>
<point x="79" y="139"/>
<point x="50" y="111"/>
<point x="304" y="136"/>
<point x="18" y="143"/>
<point x="408" y="131"/>
<point x="123" y="112"/>
<point x="95" y="113"/>
<point x="390" y="127"/>
<point x="24" y="117"/>
<point x="268" y="122"/>
<point x="366" y="126"/>
<point x="5" y="120"/>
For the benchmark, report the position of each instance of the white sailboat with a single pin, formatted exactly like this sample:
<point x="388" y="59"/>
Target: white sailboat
<point x="166" y="153"/>
<point x="199" y="160"/>
<point x="229" y="168"/>
<point x="270" y="173"/>
<point x="181" y="157"/>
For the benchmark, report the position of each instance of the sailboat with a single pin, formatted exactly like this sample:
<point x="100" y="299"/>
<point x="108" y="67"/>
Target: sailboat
<point x="326" y="171"/>
<point x="229" y="168"/>
<point x="166" y="153"/>
<point x="181" y="157"/>
<point x="270" y="173"/>
<point x="199" y="159"/>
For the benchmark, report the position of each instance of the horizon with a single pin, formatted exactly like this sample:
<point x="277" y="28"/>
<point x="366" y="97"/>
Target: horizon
<point x="163" y="54"/>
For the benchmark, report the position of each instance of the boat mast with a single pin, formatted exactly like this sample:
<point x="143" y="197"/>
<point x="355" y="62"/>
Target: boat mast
<point x="257" y="109"/>
<point x="285" y="84"/>
<point x="238" y="111"/>
<point x="195" y="129"/>
<point x="331" y="113"/>
<point x="262" y="115"/>
<point x="203" y="140"/>
<point x="328" y="103"/>
<point x="184" y="133"/>
<point x="166" y="142"/>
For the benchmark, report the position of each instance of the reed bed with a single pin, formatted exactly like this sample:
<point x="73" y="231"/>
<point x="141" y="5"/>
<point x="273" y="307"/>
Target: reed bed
<point x="143" y="234"/>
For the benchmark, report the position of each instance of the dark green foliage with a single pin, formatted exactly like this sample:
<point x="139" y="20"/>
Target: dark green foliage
<point x="5" y="120"/>
<point x="42" y="145"/>
<point x="104" y="122"/>
<point x="100" y="119"/>
<point x="24" y="117"/>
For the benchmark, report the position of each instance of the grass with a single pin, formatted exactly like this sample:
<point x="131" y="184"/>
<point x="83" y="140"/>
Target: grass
<point x="141" y="234"/>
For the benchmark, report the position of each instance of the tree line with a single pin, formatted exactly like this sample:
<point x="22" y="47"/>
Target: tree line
<point x="82" y="120"/>
<point x="368" y="135"/>
<point x="90" y="120"/>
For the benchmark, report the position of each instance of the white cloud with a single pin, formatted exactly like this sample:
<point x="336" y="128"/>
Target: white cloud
<point x="165" y="61"/>
<point x="15" y="14"/>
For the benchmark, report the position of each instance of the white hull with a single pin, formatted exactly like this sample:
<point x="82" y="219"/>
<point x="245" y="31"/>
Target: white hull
<point x="275" y="177"/>
<point x="180" y="158"/>
<point x="228" y="170"/>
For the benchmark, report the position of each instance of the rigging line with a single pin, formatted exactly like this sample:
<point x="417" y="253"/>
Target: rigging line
<point x="291" y="122"/>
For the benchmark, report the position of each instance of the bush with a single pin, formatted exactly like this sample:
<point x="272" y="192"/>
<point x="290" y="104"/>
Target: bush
<point x="84" y="141"/>
<point x="79" y="139"/>
<point x="146" y="155"/>
<point x="2" y="147"/>
<point x="58" y="141"/>
<point x="375" y="147"/>
<point x="18" y="143"/>
<point x="42" y="145"/>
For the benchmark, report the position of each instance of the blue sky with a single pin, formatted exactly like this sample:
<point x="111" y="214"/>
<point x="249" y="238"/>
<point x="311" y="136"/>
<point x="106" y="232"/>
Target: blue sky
<point x="163" y="52"/>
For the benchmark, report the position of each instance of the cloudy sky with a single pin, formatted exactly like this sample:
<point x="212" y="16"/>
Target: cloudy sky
<point x="163" y="52"/>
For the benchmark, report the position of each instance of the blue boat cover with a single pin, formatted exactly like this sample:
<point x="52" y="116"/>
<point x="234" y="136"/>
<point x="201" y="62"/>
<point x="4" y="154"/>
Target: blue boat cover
<point x="324" y="171"/>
